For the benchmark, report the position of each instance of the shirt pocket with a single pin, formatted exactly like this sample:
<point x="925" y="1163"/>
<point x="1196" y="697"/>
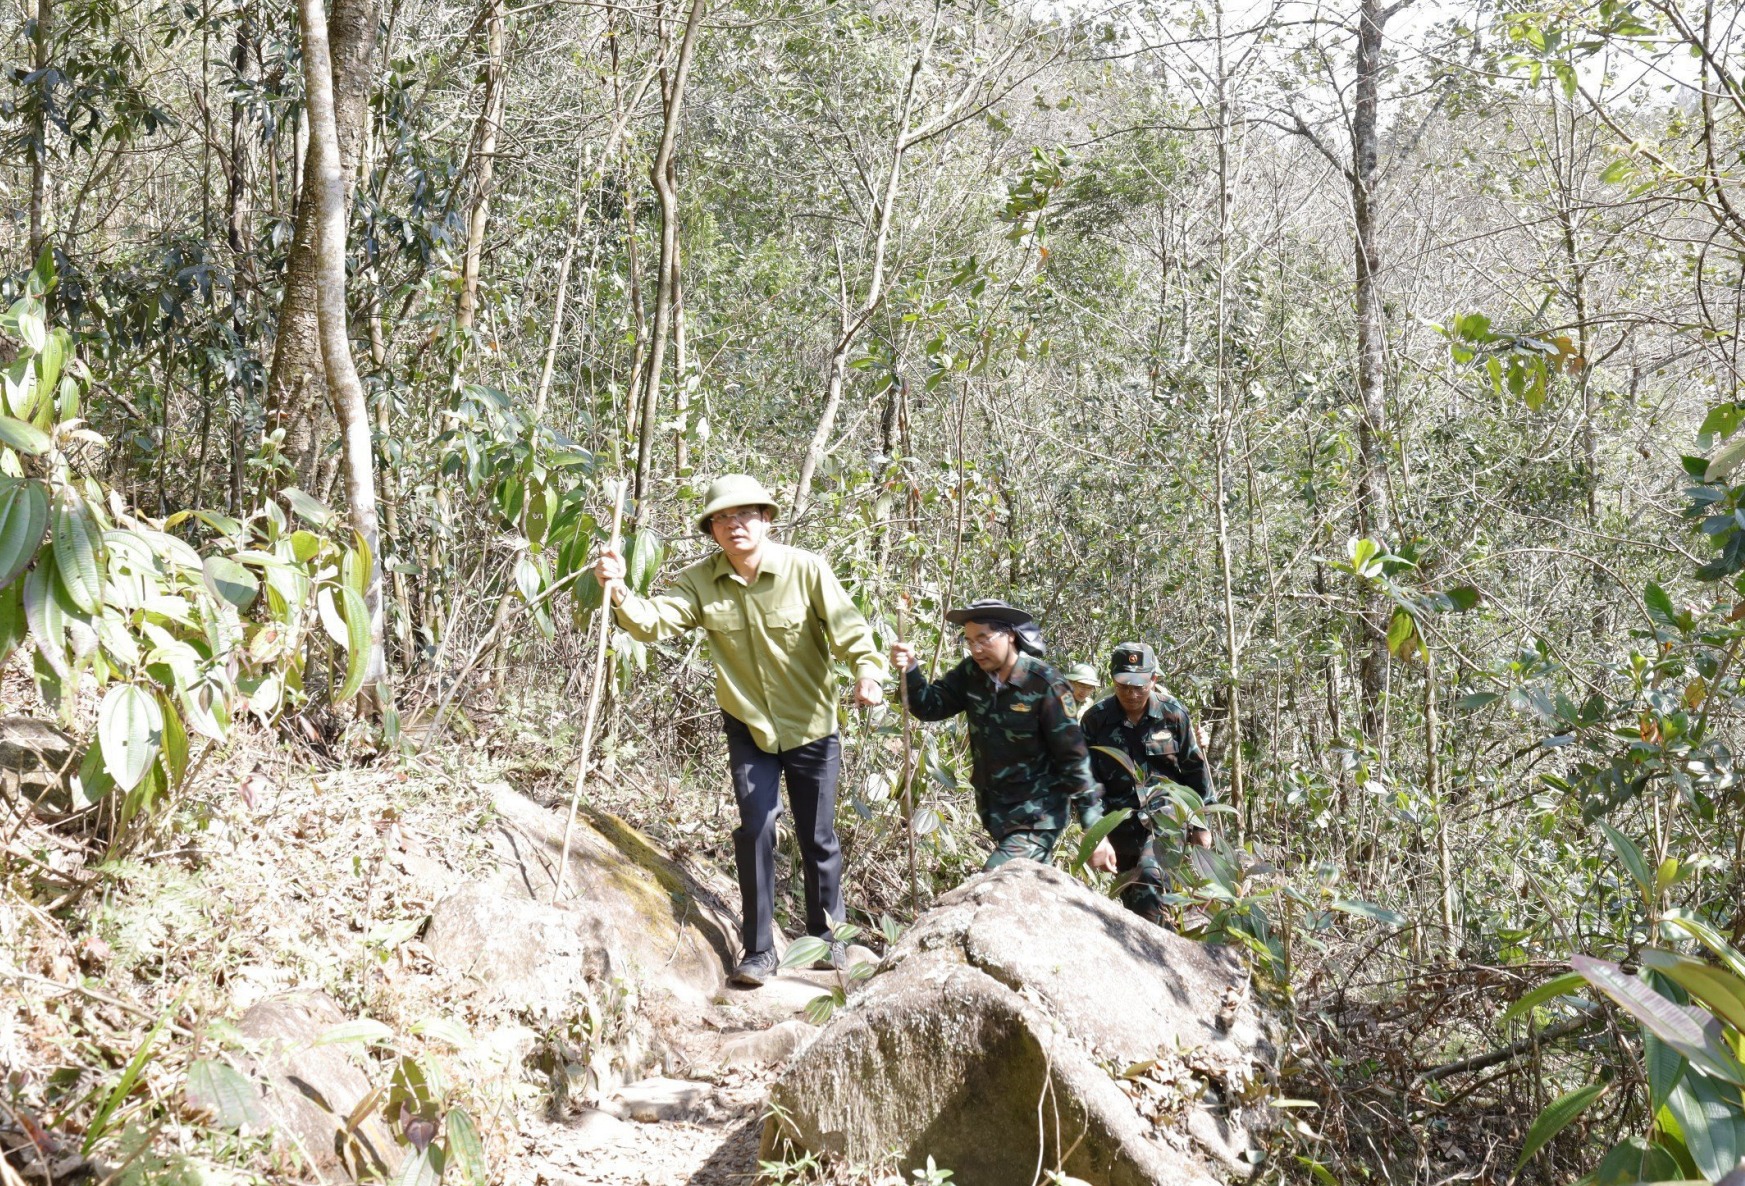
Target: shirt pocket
<point x="1161" y="744"/>
<point x="724" y="618"/>
<point x="785" y="623"/>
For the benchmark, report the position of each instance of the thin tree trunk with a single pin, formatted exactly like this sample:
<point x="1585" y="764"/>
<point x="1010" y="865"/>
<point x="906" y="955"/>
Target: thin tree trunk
<point x="669" y="245"/>
<point x="39" y="133"/>
<point x="837" y="370"/>
<point x="327" y="198"/>
<point x="298" y="400"/>
<point x="1226" y="429"/>
<point x="484" y="165"/>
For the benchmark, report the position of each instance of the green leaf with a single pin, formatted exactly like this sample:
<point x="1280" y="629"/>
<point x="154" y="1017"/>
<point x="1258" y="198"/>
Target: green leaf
<point x="26" y="438"/>
<point x="1464" y="597"/>
<point x="1402" y="634"/>
<point x="78" y="544"/>
<point x="230" y="582"/>
<point x="1555" y="1118"/>
<point x="13" y="626"/>
<point x="52" y="357"/>
<point x="221" y="1091"/>
<point x="1660" y="607"/>
<point x="1557" y="986"/>
<point x="1720" y="991"/>
<point x="363" y="1029"/>
<point x="357" y="646"/>
<point x="1632" y="858"/>
<point x="1095" y="834"/>
<point x="1691" y="1031"/>
<point x="444" y="1029"/>
<point x="1370" y="910"/>
<point x="130" y="727"/>
<point x="466" y="1152"/>
<point x="1711" y="1122"/>
<point x="1617" y="171"/>
<point x="307" y="507"/>
<point x="419" y="1170"/>
<point x="1705" y="933"/>
<point x="1632" y="1161"/>
<point x="1726" y="461"/>
<point x="1666" y="1067"/>
<point x="1124" y="761"/>
<point x="99" y="1125"/>
<point x="23" y="519"/>
<point x="643" y="560"/>
<point x="805" y="951"/>
<point x="47" y="617"/>
<point x="1322" y="1175"/>
<point x="1474" y="700"/>
<point x="304" y="545"/>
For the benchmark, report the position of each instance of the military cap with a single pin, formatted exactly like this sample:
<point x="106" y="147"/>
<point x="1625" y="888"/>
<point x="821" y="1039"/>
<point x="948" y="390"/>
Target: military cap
<point x="1081" y="673"/>
<point x="733" y="490"/>
<point x="1132" y="663"/>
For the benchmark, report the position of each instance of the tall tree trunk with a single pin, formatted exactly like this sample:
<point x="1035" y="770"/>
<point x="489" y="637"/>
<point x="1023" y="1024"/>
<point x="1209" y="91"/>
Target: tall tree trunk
<point x="39" y="131"/>
<point x="669" y="246"/>
<point x="1226" y="433"/>
<point x="298" y="399"/>
<point x="484" y="165"/>
<point x="1372" y="509"/>
<point x="325" y="198"/>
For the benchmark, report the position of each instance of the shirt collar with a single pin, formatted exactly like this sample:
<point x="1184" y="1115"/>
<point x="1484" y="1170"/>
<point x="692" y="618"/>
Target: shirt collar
<point x="775" y="563"/>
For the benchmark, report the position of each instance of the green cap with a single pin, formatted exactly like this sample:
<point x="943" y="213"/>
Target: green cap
<point x="1081" y="673"/>
<point x="733" y="490"/>
<point x="1132" y="663"/>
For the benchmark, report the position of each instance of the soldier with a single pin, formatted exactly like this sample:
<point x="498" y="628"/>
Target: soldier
<point x="1082" y="679"/>
<point x="1152" y="728"/>
<point x="1027" y="755"/>
<point x="774" y="616"/>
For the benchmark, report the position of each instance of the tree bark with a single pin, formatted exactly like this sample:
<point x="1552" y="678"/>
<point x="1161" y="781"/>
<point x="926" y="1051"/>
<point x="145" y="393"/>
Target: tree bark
<point x="298" y="398"/>
<point x="669" y="246"/>
<point x="39" y="155"/>
<point x="484" y="166"/>
<point x="325" y="199"/>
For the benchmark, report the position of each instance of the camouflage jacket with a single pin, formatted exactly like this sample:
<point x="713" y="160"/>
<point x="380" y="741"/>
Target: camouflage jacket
<point x="1028" y="756"/>
<point x="1161" y="744"/>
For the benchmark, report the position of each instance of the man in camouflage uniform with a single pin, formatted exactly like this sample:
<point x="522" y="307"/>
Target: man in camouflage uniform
<point x="1028" y="758"/>
<point x="1082" y="679"/>
<point x="1151" y="727"/>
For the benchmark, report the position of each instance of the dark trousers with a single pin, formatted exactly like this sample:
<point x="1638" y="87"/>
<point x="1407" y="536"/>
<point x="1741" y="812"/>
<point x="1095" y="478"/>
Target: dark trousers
<point x="811" y="771"/>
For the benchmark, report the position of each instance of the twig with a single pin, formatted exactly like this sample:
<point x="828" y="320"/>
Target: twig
<point x="1479" y="1062"/>
<point x="593" y="713"/>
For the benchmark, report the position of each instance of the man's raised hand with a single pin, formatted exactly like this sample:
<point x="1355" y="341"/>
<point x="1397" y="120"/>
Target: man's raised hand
<point x="903" y="656"/>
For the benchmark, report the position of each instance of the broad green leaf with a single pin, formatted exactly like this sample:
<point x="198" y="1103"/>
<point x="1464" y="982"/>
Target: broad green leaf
<point x="466" y="1152"/>
<point x="363" y="1029"/>
<point x="78" y="544"/>
<point x="307" y="507"/>
<point x="175" y="744"/>
<point x="1660" y="607"/>
<point x="444" y="1029"/>
<point x="1711" y="1123"/>
<point x="304" y="545"/>
<point x="13" y="626"/>
<point x="1665" y="1066"/>
<point x="23" y="519"/>
<point x="1705" y="933"/>
<point x="1474" y="700"/>
<point x="1123" y="760"/>
<point x="130" y="727"/>
<point x="1726" y="461"/>
<point x="92" y="783"/>
<point x="1557" y="986"/>
<point x="1631" y="857"/>
<point x="805" y="951"/>
<point x="1633" y="1161"/>
<point x="357" y="648"/>
<point x="1322" y="1175"/>
<point x="527" y="578"/>
<point x="357" y="566"/>
<point x="1617" y="171"/>
<point x="1691" y="1031"/>
<point x="230" y="582"/>
<point x="47" y="618"/>
<point x="1556" y="1116"/>
<point x="1721" y="991"/>
<point x="419" y="1170"/>
<point x="1464" y="597"/>
<point x="221" y="1091"/>
<point x="1402" y="634"/>
<point x="643" y="560"/>
<point x="1095" y="834"/>
<point x="26" y="438"/>
<point x="1370" y="910"/>
<point x="332" y="621"/>
<point x="50" y="360"/>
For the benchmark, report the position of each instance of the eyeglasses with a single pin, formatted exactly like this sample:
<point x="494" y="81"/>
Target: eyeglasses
<point x="734" y="518"/>
<point x="982" y="643"/>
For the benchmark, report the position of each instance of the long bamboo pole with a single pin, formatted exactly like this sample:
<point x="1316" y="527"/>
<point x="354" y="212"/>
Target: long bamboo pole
<point x="593" y="713"/>
<point x="908" y="764"/>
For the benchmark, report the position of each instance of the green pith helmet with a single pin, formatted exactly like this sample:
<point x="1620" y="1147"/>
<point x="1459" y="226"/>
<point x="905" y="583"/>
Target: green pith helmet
<point x="1082" y="673"/>
<point x="733" y="490"/>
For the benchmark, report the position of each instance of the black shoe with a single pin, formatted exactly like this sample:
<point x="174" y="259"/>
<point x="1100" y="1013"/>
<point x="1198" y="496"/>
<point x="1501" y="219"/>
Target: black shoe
<point x="835" y="961"/>
<point x="754" y="970"/>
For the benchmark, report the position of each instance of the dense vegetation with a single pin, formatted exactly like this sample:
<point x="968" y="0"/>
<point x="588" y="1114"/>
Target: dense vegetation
<point x="1377" y="364"/>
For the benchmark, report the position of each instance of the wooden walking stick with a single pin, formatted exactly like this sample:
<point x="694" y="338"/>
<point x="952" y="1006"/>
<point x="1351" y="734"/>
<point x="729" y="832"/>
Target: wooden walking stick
<point x="908" y="762"/>
<point x="593" y="713"/>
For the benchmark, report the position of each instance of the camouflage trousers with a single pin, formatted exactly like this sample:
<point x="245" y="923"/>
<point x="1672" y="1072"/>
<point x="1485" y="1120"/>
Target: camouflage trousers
<point x="1137" y="863"/>
<point x="1035" y="844"/>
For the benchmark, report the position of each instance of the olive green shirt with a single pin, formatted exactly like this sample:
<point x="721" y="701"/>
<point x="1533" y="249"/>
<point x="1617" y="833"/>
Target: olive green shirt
<point x="772" y="639"/>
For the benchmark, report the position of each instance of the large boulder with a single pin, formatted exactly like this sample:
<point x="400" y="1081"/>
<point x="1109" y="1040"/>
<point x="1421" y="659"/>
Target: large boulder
<point x="626" y="913"/>
<point x="1027" y="1021"/>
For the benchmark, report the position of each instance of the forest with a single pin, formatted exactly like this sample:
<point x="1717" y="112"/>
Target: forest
<point x="1376" y="363"/>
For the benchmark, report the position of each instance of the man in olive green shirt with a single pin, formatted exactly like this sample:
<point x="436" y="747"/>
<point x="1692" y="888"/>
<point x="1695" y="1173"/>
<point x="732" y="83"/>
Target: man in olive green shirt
<point x="775" y="617"/>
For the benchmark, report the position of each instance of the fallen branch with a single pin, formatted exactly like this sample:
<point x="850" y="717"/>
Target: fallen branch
<point x="1479" y="1062"/>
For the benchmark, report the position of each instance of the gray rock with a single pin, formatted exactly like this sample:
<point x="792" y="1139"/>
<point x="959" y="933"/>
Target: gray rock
<point x="591" y="1128"/>
<point x="765" y="1048"/>
<point x="37" y="761"/>
<point x="535" y="956"/>
<point x="658" y="1101"/>
<point x="310" y="1091"/>
<point x="997" y="1029"/>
